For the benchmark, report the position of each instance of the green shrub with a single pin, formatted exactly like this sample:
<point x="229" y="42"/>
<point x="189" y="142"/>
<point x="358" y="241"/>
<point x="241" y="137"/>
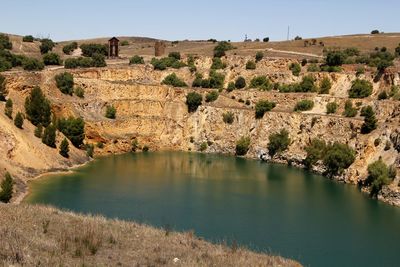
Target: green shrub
<point x="307" y="84"/>
<point x="378" y="176"/>
<point x="69" y="48"/>
<point x="4" y="64"/>
<point x="110" y="112"/>
<point x="304" y="105"/>
<point x="197" y="80"/>
<point x="5" y="42"/>
<point x="88" y="50"/>
<point x="174" y="81"/>
<point x="73" y="129"/>
<point x="383" y="95"/>
<point x="19" y="120"/>
<point x="337" y="158"/>
<point x="266" y="39"/>
<point x="3" y="90"/>
<point x="6" y="188"/>
<point x="313" y="68"/>
<point x="315" y="151"/>
<point x="8" y="110"/>
<point x="231" y="87"/>
<point x="278" y="142"/>
<point x="259" y="56"/>
<point x="65" y="82"/>
<point x="49" y="136"/>
<point x="193" y="101"/>
<point x="84" y="62"/>
<point x="215" y="80"/>
<point x="325" y="86"/>
<point x="217" y="64"/>
<point x="251" y="65"/>
<point x="331" y="108"/>
<point x="98" y="60"/>
<point x="89" y="150"/>
<point x="101" y="144"/>
<point x="228" y="117"/>
<point x="395" y="92"/>
<point x="335" y="58"/>
<point x="37" y="107"/>
<point x="46" y="45"/>
<point x="360" y="89"/>
<point x="304" y="62"/>
<point x="64" y="148"/>
<point x="212" y="96"/>
<point x="27" y="39"/>
<point x="221" y="48"/>
<point x="295" y="68"/>
<point x="166" y="62"/>
<point x="124" y="43"/>
<point x="370" y="121"/>
<point x="349" y="110"/>
<point x="32" y="64"/>
<point x="261" y="82"/>
<point x="242" y="146"/>
<point x="136" y="60"/>
<point x="135" y="145"/>
<point x="240" y="83"/>
<point x="38" y="131"/>
<point x="175" y="55"/>
<point x="203" y="146"/>
<point x="79" y="92"/>
<point x="263" y="106"/>
<point x="51" y="59"/>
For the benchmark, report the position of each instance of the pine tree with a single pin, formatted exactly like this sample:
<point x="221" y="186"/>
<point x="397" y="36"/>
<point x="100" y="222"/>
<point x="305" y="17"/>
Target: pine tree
<point x="64" y="148"/>
<point x="37" y="107"/>
<point x="49" y="136"/>
<point x="8" y="110"/>
<point x="6" y="188"/>
<point x="3" y="90"/>
<point x="19" y="120"/>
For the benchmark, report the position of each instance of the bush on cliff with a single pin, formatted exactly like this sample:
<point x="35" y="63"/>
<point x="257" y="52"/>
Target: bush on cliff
<point x="111" y="112"/>
<point x="262" y="107"/>
<point x="370" y="121"/>
<point x="360" y="89"/>
<point x="51" y="59"/>
<point x="8" y="109"/>
<point x="3" y="90"/>
<point x="174" y="81"/>
<point x="49" y="136"/>
<point x="337" y="158"/>
<point x="88" y="50"/>
<point x="64" y="148"/>
<point x="315" y="152"/>
<point x="65" y="82"/>
<point x="379" y="174"/>
<point x="242" y="146"/>
<point x="73" y="129"/>
<point x="69" y="48"/>
<point x="46" y="45"/>
<point x="135" y="60"/>
<point x="304" y="105"/>
<point x="193" y="101"/>
<point x="278" y="142"/>
<point x="19" y="120"/>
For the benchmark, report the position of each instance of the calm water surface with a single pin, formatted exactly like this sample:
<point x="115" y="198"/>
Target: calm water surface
<point x="265" y="207"/>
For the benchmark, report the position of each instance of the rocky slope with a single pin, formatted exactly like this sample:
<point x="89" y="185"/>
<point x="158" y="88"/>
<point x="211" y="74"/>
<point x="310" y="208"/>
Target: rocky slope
<point x="157" y="117"/>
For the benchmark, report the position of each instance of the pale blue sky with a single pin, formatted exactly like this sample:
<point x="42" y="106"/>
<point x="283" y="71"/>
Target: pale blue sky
<point x="178" y="19"/>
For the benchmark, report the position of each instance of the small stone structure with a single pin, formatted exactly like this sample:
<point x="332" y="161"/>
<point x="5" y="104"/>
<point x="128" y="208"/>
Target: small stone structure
<point x="113" y="47"/>
<point x="159" y="48"/>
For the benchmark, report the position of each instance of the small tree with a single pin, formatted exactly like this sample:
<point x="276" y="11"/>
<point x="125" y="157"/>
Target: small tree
<point x="262" y="107"/>
<point x="8" y="110"/>
<point x="193" y="101"/>
<point x="136" y="60"/>
<point x="231" y="87"/>
<point x="65" y="82"/>
<point x="27" y="39"/>
<point x="19" y="120"/>
<point x="67" y="49"/>
<point x="38" y="131"/>
<point x="49" y="136"/>
<point x="295" y="68"/>
<point x="46" y="45"/>
<point x="89" y="150"/>
<point x="242" y="146"/>
<point x="278" y="142"/>
<point x="266" y="39"/>
<point x="240" y="83"/>
<point x="250" y="65"/>
<point x="360" y="89"/>
<point x="335" y="58"/>
<point x="375" y="32"/>
<point x="98" y="60"/>
<point x="64" y="148"/>
<point x="331" y="108"/>
<point x="212" y="96"/>
<point x="3" y="90"/>
<point x="315" y="152"/>
<point x="110" y="112"/>
<point x="259" y="56"/>
<point x="337" y="158"/>
<point x="175" y="55"/>
<point x="6" y="188"/>
<point x="325" y="86"/>
<point x="174" y="81"/>
<point x="32" y="64"/>
<point x="370" y="121"/>
<point x="217" y="64"/>
<point x="79" y="92"/>
<point x="51" y="59"/>
<point x="304" y="105"/>
<point x="349" y="110"/>
<point x="261" y="82"/>
<point x="378" y="176"/>
<point x="228" y="117"/>
<point x="73" y="129"/>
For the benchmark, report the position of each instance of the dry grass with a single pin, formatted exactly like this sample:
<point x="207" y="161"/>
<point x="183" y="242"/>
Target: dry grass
<point x="36" y="235"/>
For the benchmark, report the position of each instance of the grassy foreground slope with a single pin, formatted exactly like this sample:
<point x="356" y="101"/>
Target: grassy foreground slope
<point x="49" y="237"/>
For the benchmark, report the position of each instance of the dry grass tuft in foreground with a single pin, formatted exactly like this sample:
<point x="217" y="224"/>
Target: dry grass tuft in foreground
<point x="35" y="235"/>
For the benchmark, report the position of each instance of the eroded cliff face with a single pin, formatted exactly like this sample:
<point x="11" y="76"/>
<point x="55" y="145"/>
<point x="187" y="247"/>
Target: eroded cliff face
<point x="157" y="117"/>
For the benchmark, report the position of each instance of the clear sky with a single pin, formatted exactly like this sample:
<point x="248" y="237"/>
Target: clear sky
<point x="179" y="19"/>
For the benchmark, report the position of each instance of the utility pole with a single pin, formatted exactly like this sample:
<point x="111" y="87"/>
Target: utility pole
<point x="288" y="32"/>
